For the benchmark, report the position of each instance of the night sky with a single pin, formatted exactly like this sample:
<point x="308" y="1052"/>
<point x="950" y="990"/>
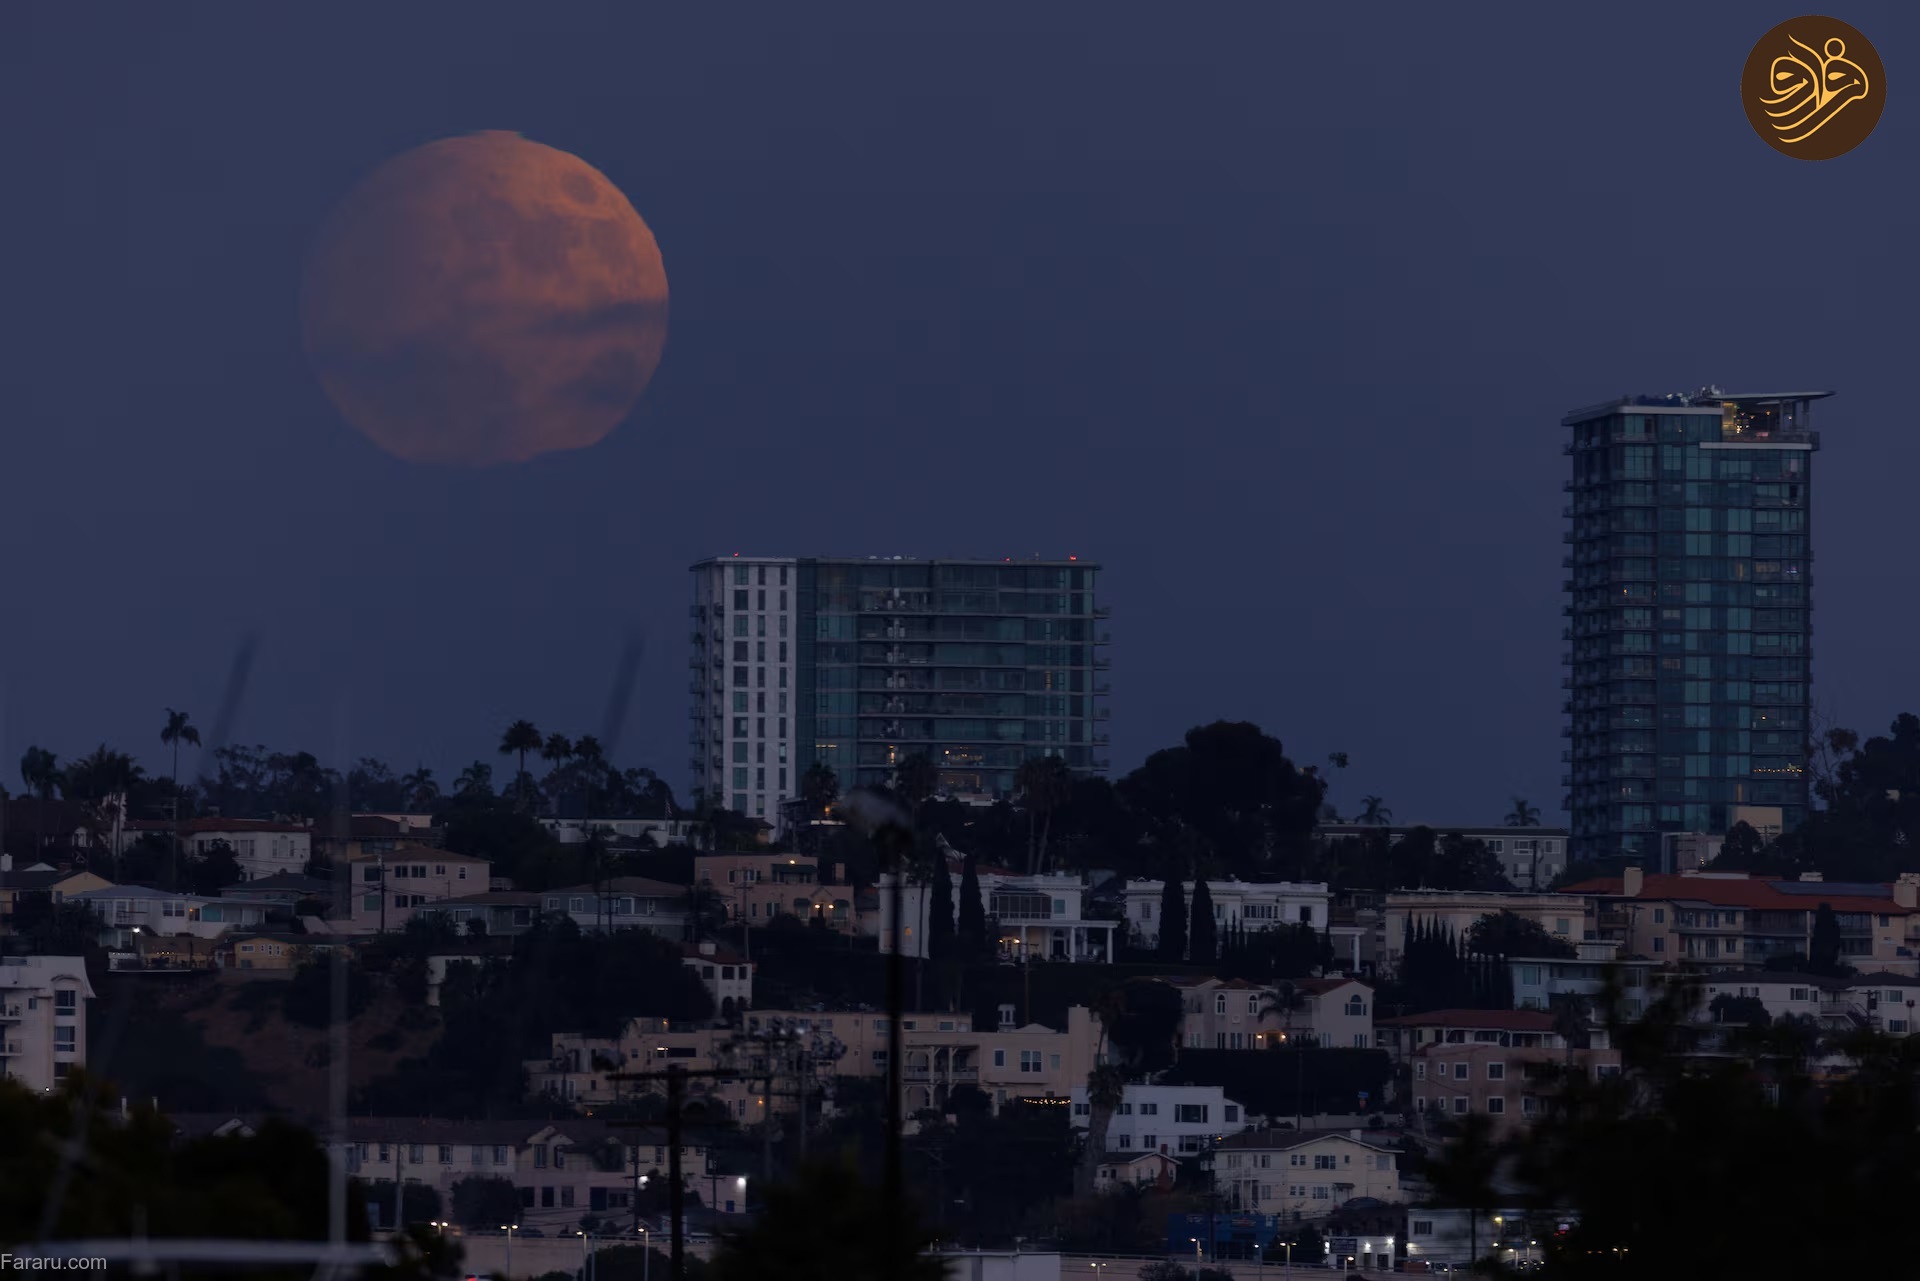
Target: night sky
<point x="1271" y="309"/>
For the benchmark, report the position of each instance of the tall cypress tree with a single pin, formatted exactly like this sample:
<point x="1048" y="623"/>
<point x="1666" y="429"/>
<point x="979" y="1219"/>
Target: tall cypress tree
<point x="940" y="908"/>
<point x="1203" y="937"/>
<point x="973" y="908"/>
<point x="1173" y="921"/>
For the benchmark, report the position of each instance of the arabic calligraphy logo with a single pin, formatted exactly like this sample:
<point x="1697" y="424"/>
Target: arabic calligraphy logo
<point x="1813" y="88"/>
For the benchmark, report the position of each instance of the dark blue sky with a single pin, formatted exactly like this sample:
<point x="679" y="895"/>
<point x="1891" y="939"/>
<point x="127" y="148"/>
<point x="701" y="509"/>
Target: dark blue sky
<point x="1271" y="309"/>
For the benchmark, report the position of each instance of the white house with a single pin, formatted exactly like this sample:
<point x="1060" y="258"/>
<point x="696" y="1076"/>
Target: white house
<point x="622" y="903"/>
<point x="1038" y="917"/>
<point x="1256" y="905"/>
<point x="1539" y="980"/>
<point x="43" y="1018"/>
<point x="1233" y="1014"/>
<point x="1886" y="1002"/>
<point x="1802" y="995"/>
<point x="727" y="976"/>
<point x="1305" y="1174"/>
<point x="1174" y="1119"/>
<point x="163" y="913"/>
<point x="262" y="848"/>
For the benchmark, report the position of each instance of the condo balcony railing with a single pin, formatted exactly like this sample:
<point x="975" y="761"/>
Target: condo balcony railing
<point x="10" y="1013"/>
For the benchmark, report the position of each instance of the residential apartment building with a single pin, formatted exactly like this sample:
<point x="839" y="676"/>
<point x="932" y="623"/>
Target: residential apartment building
<point x="1233" y="1014"/>
<point x="1510" y="1084"/>
<point x="389" y="886"/>
<point x="1041" y="918"/>
<point x="1726" y="920"/>
<point x="1690" y="637"/>
<point x="563" y="1170"/>
<point x="860" y="663"/>
<point x="1301" y="1175"/>
<point x="756" y="887"/>
<point x="1567" y="916"/>
<point x="1405" y="1035"/>
<point x="1179" y="1120"/>
<point x="1542" y="982"/>
<point x="1256" y="905"/>
<point x="942" y="1052"/>
<point x="622" y="903"/>
<point x="1531" y="857"/>
<point x="284" y="890"/>
<point x="262" y="848"/>
<point x="43" y="1018"/>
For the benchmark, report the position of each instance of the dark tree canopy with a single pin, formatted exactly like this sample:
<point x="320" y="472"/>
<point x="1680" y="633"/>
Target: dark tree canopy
<point x="1505" y="935"/>
<point x="1173" y="921"/>
<point x="1228" y="795"/>
<point x="1203" y="935"/>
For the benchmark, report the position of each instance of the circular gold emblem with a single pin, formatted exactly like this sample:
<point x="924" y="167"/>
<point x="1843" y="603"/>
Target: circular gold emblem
<point x="1813" y="88"/>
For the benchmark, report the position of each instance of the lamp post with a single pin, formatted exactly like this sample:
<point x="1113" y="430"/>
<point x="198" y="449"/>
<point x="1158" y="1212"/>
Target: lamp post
<point x="646" y="1255"/>
<point x="508" y="1229"/>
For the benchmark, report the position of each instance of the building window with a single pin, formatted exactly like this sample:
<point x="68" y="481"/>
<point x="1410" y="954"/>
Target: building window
<point x="1460" y="1104"/>
<point x="1030" y="1061"/>
<point x="1220" y="1003"/>
<point x="1496" y="1071"/>
<point x="1190" y="1113"/>
<point x="66" y="1001"/>
<point x="1496" y="1105"/>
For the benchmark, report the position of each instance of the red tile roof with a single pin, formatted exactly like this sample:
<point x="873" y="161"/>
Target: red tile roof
<point x="1492" y="1020"/>
<point x="1751" y="893"/>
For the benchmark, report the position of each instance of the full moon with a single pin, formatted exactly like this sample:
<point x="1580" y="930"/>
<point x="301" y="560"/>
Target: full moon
<point x="484" y="300"/>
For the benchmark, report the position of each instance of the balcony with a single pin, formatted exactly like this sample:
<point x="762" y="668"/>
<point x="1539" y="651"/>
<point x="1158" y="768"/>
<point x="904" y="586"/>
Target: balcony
<point x="1102" y="664"/>
<point x="924" y="1073"/>
<point x="1102" y="687"/>
<point x="1102" y="713"/>
<point x="1104" y="638"/>
<point x="11" y="1049"/>
<point x="10" y="1013"/>
<point x="1103" y="611"/>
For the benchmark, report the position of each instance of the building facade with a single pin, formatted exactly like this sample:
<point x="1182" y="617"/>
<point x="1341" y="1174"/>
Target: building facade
<point x="1511" y="1085"/>
<point x="1040" y="918"/>
<point x="1690" y="578"/>
<point x="1233" y="1014"/>
<point x="1301" y="1175"/>
<point x="1532" y="857"/>
<point x="1255" y="905"/>
<point x="860" y="663"/>
<point x="43" y="1018"/>
<point x="1178" y="1120"/>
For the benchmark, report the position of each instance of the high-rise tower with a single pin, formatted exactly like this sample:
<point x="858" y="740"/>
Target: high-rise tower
<point x="1690" y="618"/>
<point x="860" y="663"/>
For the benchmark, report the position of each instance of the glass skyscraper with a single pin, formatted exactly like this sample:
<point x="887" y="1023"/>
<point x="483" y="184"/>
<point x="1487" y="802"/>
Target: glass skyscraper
<point x="860" y="663"/>
<point x="1690" y="616"/>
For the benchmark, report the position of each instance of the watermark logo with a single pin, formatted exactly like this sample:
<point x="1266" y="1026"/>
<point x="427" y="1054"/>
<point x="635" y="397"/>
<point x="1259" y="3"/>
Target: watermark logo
<point x="1813" y="88"/>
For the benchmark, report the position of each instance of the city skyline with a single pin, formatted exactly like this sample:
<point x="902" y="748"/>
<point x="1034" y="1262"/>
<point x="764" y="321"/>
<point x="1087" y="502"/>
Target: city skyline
<point x="1294" y="387"/>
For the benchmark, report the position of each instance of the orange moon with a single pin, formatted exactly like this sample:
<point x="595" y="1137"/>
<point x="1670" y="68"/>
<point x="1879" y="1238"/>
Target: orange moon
<point x="484" y="300"/>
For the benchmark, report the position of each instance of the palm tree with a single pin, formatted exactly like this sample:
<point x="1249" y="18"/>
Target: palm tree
<point x="420" y="788"/>
<point x="1044" y="784"/>
<point x="556" y="751"/>
<point x="40" y="771"/>
<point x="176" y="731"/>
<point x="1106" y="1085"/>
<point x="475" y="780"/>
<point x="1523" y="814"/>
<point x="591" y="759"/>
<point x="521" y="737"/>
<point x="1285" y="1000"/>
<point x="1374" y="812"/>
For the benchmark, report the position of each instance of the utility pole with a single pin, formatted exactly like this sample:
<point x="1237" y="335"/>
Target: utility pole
<point x="676" y="1078"/>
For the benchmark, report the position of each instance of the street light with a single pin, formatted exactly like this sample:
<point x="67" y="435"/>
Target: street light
<point x="508" y="1229"/>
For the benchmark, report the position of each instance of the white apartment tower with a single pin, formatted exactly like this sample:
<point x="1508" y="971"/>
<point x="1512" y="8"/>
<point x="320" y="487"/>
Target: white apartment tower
<point x="745" y="715"/>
